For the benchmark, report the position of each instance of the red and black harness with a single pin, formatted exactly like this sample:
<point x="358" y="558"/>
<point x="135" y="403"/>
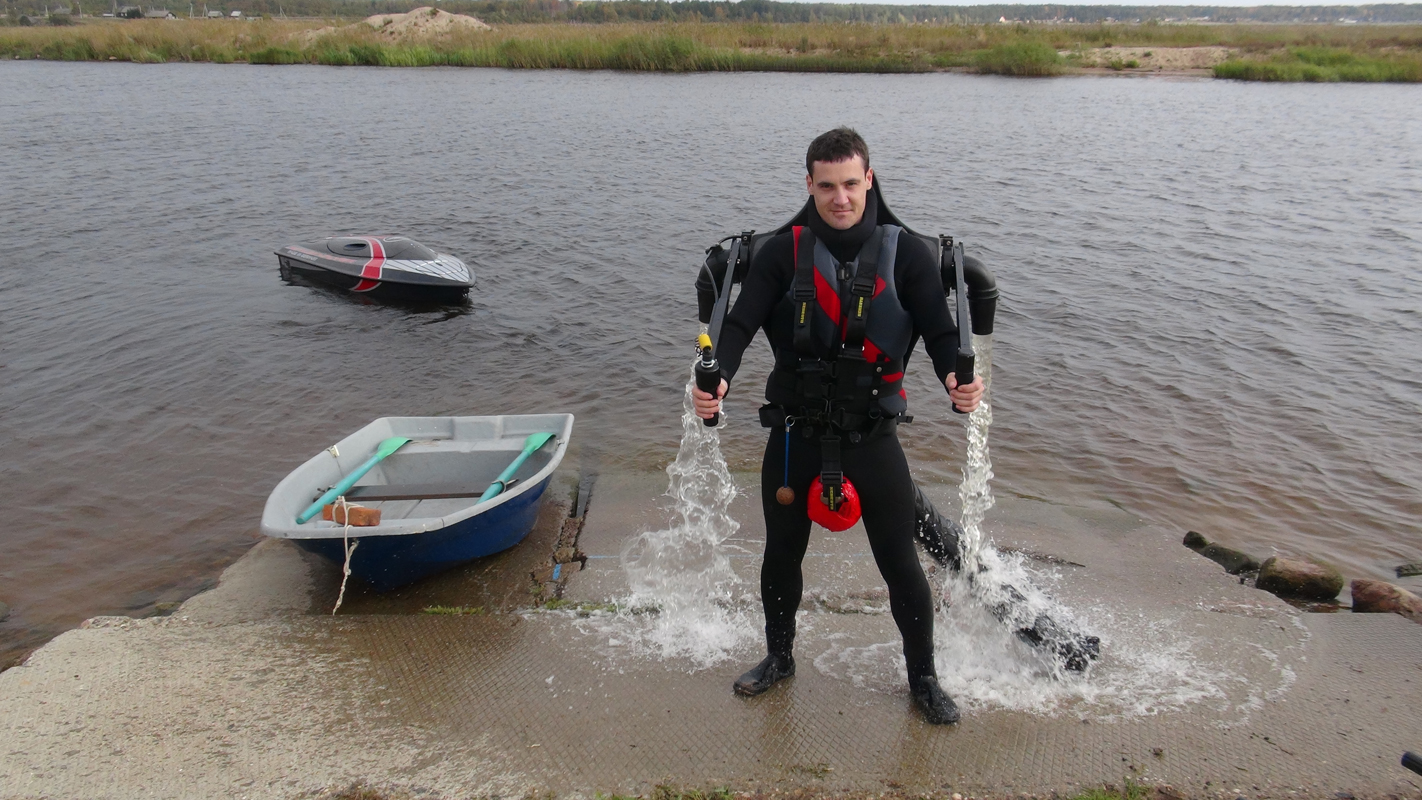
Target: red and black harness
<point x="842" y="382"/>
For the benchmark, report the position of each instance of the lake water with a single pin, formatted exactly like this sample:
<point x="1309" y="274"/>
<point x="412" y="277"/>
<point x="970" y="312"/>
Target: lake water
<point x="1210" y="311"/>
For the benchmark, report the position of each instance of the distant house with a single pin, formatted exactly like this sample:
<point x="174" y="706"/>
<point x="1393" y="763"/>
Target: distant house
<point x="214" y="15"/>
<point x="159" y="13"/>
<point x="130" y="12"/>
<point x="236" y="14"/>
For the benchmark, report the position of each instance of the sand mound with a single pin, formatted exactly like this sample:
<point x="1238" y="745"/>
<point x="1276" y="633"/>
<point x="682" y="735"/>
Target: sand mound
<point x="1165" y="59"/>
<point x="423" y="21"/>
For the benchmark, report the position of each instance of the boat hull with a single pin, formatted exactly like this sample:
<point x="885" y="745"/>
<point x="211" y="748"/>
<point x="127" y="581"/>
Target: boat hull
<point x="389" y="562"/>
<point x="379" y="267"/>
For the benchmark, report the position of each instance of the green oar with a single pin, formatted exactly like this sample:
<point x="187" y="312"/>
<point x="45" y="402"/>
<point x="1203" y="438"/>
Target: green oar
<point x="530" y="445"/>
<point x="386" y="448"/>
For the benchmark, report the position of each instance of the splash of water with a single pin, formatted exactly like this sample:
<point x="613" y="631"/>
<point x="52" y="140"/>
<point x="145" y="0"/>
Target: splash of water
<point x="980" y="657"/>
<point x="683" y="600"/>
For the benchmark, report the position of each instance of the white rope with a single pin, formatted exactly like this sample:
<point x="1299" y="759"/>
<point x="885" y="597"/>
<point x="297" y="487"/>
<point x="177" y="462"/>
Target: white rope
<point x="346" y="545"/>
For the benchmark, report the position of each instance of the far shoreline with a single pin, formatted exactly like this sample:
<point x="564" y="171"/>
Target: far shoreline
<point x="1311" y="52"/>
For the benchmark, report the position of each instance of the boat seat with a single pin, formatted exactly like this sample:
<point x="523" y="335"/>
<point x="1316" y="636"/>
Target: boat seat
<point x="416" y="491"/>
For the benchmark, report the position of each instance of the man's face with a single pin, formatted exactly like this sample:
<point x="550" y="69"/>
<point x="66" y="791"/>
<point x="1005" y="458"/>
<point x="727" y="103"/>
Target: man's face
<point x="839" y="188"/>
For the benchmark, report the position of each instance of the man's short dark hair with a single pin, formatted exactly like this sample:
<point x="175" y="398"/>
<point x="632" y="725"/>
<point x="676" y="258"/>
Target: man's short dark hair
<point x="839" y="144"/>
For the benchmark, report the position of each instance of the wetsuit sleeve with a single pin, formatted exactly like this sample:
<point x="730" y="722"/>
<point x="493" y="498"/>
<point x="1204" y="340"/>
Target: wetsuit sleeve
<point x="920" y="287"/>
<point x="766" y="283"/>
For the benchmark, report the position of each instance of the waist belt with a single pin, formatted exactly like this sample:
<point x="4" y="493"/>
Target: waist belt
<point x="855" y="427"/>
<point x="829" y="425"/>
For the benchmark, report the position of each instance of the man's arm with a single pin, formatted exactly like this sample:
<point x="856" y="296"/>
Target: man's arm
<point x="920" y="287"/>
<point x="765" y="284"/>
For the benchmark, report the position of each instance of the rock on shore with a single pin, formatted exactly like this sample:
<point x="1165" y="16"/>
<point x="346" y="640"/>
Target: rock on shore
<point x="4" y="612"/>
<point x="1380" y="597"/>
<point x="1309" y="580"/>
<point x="1233" y="561"/>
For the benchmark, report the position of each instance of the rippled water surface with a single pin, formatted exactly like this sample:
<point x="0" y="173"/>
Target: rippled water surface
<point x="1210" y="315"/>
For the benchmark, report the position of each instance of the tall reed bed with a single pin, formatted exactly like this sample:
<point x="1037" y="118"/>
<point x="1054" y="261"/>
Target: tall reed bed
<point x="1263" y="52"/>
<point x="1325" y="65"/>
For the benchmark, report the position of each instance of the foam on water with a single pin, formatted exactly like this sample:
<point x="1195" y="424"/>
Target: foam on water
<point x="686" y="605"/>
<point x="685" y="601"/>
<point x="1147" y="667"/>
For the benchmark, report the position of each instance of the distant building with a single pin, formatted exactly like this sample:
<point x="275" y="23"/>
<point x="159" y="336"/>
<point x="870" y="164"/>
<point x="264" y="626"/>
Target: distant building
<point x="236" y="14"/>
<point x="159" y="13"/>
<point x="214" y="15"/>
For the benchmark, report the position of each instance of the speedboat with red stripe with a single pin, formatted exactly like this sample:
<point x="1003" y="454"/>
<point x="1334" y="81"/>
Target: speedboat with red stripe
<point x="384" y="267"/>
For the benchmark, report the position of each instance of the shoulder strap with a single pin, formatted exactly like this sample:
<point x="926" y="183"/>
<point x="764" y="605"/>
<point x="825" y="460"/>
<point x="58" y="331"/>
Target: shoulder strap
<point x="861" y="292"/>
<point x="802" y="292"/>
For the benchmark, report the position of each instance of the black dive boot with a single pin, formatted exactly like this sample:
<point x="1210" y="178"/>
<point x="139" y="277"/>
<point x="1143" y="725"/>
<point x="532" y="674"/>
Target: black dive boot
<point x="937" y="707"/>
<point x="780" y="664"/>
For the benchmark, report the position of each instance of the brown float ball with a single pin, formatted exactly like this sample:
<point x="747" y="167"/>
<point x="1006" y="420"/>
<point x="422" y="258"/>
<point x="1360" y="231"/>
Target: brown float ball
<point x="785" y="495"/>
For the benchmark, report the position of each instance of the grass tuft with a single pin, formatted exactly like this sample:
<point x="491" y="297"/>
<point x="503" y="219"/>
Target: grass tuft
<point x="1315" y="64"/>
<point x="1028" y="59"/>
<point x="453" y="611"/>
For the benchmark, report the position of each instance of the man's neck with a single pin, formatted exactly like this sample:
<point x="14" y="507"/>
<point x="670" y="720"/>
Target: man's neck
<point x="844" y="244"/>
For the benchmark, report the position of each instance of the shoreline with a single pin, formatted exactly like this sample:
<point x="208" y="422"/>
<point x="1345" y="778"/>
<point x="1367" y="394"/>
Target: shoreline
<point x="1255" y="52"/>
<point x="253" y="687"/>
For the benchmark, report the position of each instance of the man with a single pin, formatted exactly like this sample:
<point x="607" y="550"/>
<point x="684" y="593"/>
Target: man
<point x="837" y="385"/>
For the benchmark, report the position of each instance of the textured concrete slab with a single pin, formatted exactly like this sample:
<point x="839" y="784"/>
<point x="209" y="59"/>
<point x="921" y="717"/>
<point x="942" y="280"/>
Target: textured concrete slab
<point x="245" y="693"/>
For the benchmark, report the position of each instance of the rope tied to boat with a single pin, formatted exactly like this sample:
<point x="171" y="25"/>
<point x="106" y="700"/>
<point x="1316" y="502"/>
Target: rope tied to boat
<point x="347" y="546"/>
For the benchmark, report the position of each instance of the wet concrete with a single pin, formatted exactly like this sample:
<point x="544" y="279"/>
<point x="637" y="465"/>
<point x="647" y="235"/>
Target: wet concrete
<point x="254" y="690"/>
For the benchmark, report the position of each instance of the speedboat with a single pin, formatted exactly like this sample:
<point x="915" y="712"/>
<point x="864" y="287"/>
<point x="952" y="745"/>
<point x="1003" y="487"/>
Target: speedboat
<point x="449" y="490"/>
<point x="383" y="267"/>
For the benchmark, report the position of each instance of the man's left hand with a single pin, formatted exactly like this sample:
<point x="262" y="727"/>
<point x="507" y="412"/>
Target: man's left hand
<point x="965" y="399"/>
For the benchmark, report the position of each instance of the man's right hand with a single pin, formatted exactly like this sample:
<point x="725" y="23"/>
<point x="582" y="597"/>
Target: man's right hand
<point x="706" y="405"/>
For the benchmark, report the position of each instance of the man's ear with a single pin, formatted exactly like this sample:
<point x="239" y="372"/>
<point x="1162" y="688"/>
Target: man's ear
<point x="810" y="184"/>
<point x="869" y="178"/>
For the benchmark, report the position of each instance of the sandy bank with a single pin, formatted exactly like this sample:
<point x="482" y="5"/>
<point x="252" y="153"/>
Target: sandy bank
<point x="254" y="690"/>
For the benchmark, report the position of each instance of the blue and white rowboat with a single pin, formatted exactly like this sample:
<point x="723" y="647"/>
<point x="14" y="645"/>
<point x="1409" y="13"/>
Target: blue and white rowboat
<point x="428" y="492"/>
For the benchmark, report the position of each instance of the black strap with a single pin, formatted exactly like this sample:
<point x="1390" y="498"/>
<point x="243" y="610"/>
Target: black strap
<point x="802" y="294"/>
<point x="831" y="473"/>
<point x="861" y="292"/>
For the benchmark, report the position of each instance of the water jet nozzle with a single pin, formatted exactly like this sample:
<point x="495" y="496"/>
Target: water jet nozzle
<point x="708" y="373"/>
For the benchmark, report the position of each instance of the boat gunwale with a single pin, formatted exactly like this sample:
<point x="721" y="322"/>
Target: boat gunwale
<point x="318" y="529"/>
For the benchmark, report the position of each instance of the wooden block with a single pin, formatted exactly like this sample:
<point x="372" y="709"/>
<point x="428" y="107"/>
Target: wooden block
<point x="361" y="517"/>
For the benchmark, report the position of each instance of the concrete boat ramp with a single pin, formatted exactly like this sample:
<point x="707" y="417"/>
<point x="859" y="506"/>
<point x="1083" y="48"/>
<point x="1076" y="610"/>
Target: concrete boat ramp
<point x="254" y="690"/>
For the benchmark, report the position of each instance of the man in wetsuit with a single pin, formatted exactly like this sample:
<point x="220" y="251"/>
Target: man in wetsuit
<point x="862" y="428"/>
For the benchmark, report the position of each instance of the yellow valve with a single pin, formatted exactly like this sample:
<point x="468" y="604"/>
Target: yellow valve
<point x="703" y="342"/>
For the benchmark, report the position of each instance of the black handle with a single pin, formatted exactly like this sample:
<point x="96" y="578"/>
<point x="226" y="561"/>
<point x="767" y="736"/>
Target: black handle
<point x="963" y="371"/>
<point x="1413" y="762"/>
<point x="708" y="379"/>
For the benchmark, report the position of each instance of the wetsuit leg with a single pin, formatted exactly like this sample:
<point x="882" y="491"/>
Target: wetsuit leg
<point x="787" y="532"/>
<point x="880" y="473"/>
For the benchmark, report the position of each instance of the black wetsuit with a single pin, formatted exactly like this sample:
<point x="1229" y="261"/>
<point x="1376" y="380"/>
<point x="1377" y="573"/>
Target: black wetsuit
<point x="875" y="464"/>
